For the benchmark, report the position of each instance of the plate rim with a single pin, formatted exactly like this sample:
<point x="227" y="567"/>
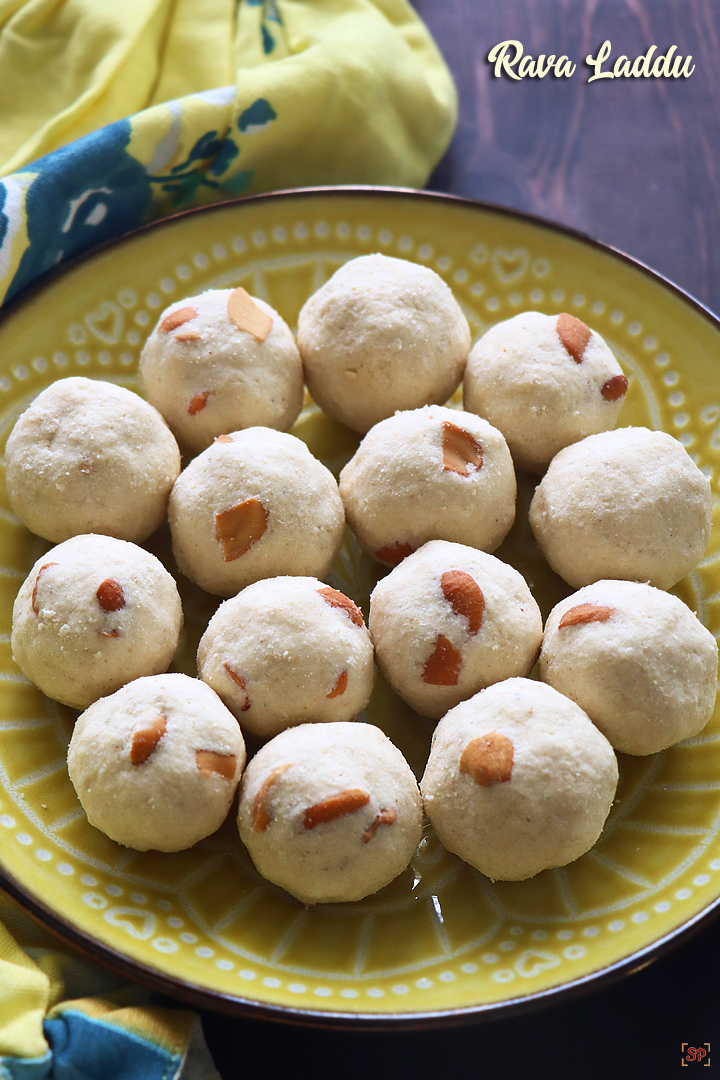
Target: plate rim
<point x="203" y="997"/>
<point x="206" y="998"/>
<point x="371" y="190"/>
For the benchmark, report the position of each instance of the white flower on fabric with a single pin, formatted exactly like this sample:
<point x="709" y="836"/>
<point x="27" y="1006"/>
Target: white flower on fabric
<point x="11" y="211"/>
<point x="97" y="214"/>
<point x="221" y="95"/>
<point x="167" y="148"/>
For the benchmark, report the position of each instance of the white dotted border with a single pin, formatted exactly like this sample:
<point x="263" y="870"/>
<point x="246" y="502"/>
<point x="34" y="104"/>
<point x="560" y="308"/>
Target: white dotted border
<point x="142" y="924"/>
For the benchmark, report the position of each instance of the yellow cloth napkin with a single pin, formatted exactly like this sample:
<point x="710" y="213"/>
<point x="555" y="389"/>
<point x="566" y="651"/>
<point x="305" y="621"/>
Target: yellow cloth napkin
<point x="176" y="103"/>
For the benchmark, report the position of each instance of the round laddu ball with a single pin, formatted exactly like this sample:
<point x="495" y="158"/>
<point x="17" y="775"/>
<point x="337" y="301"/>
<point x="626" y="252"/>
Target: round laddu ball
<point x="450" y="621"/>
<point x="88" y="456"/>
<point x="285" y="651"/>
<point x="545" y="381"/>
<point x="518" y="780"/>
<point x="330" y="812"/>
<point x="92" y="614"/>
<point x="636" y="659"/>
<point x="255" y="504"/>
<point x="220" y="362"/>
<point x="627" y="504"/>
<point x="156" y="764"/>
<point x="382" y="334"/>
<point x="429" y="474"/>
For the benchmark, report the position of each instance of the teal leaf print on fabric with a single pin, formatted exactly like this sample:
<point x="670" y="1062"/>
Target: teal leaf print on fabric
<point x="211" y="156"/>
<point x="267" y="39"/>
<point x="227" y="153"/>
<point x="3" y="217"/>
<point x="183" y="189"/>
<point x="207" y="146"/>
<point x="256" y="117"/>
<point x="84" y="194"/>
<point x="239" y="183"/>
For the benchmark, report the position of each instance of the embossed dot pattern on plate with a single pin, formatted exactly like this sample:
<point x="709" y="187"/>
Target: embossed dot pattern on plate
<point x="441" y="937"/>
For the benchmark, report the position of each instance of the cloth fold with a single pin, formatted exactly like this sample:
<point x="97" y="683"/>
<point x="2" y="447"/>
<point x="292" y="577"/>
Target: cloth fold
<point x="63" y="1017"/>
<point x="278" y="94"/>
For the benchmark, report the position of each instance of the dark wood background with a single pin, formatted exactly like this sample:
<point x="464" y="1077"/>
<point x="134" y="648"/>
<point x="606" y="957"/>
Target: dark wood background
<point x="634" y="163"/>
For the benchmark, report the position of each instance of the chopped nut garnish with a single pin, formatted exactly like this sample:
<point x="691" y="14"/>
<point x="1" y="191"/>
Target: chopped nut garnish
<point x="33" y="602"/>
<point x="385" y="817"/>
<point x="144" y="742"/>
<point x="109" y="633"/>
<point x="340" y="686"/>
<point x="574" y="335"/>
<point x="110" y="595"/>
<point x="335" y="806"/>
<point x="223" y="438"/>
<point x="614" y="388"/>
<point x="585" y="613"/>
<point x="488" y="759"/>
<point x="177" y="318"/>
<point x="462" y="453"/>
<point x="393" y="554"/>
<point x="465" y="596"/>
<point x="240" y="682"/>
<point x="339" y="600"/>
<point x="244" y="313"/>
<point x="198" y="403"/>
<point x="239" y="527"/>
<point x="210" y="762"/>
<point x="188" y="335"/>
<point x="442" y="667"/>
<point x="260" y="816"/>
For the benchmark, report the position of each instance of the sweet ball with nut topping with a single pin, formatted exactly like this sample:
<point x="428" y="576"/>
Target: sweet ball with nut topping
<point x="285" y="651"/>
<point x="220" y="362"/>
<point x="382" y="334"/>
<point x="429" y="474"/>
<point x="628" y="504"/>
<point x="518" y="780"/>
<point x="92" y="614"/>
<point x="91" y="457"/>
<point x="255" y="504"/>
<point x="156" y="765"/>
<point x="636" y="659"/>
<point x="450" y="620"/>
<point x="545" y="381"/>
<point x="330" y="812"/>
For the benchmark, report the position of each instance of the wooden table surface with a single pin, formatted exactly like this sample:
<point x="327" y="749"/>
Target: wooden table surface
<point x="634" y="163"/>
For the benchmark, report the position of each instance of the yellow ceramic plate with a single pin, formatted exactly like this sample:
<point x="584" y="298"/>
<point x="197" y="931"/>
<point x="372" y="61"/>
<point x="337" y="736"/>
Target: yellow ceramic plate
<point x="441" y="939"/>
